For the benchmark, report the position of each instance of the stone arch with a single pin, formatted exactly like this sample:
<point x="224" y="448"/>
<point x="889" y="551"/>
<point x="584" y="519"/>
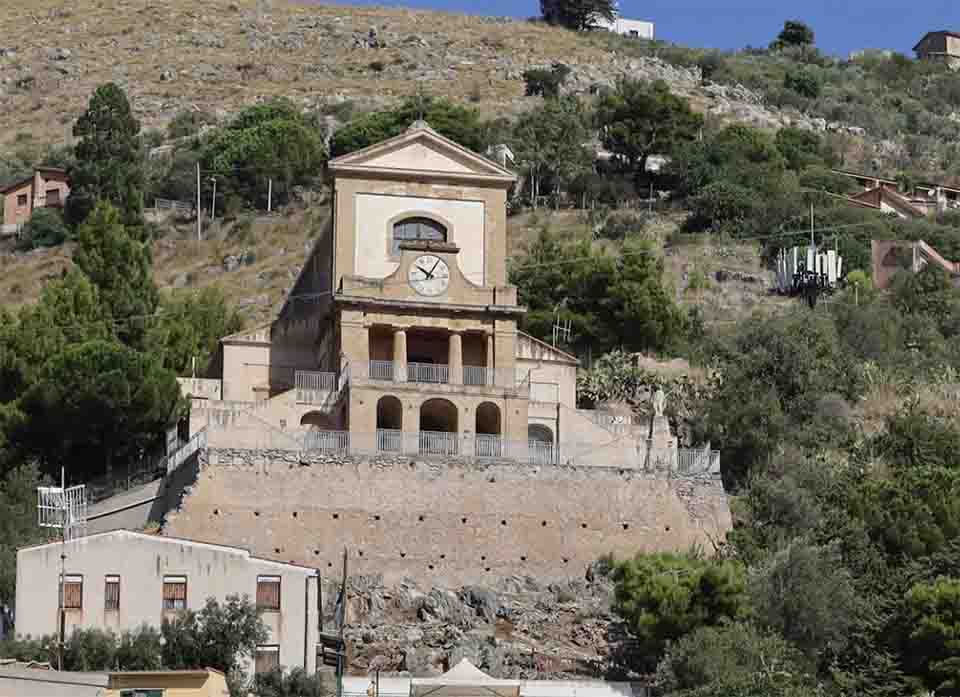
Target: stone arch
<point x="439" y="415"/>
<point x="318" y="421"/>
<point x="540" y="433"/>
<point x="488" y="419"/>
<point x="389" y="413"/>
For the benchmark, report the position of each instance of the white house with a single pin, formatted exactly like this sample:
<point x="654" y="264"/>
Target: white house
<point x="637" y="28"/>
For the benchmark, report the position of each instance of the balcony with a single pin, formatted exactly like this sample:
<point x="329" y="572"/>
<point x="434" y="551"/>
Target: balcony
<point x="439" y="374"/>
<point x="314" y="387"/>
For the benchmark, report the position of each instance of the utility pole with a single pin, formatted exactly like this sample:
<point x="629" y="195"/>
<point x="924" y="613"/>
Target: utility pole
<point x="269" y="195"/>
<point x="213" y="200"/>
<point x="199" y="214"/>
<point x="61" y="611"/>
<point x="812" y="243"/>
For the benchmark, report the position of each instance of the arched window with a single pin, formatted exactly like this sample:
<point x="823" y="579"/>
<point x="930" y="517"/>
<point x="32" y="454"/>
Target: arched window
<point x="416" y="229"/>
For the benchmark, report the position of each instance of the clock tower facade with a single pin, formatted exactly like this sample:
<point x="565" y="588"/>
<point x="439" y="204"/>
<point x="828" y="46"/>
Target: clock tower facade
<point x="422" y="318"/>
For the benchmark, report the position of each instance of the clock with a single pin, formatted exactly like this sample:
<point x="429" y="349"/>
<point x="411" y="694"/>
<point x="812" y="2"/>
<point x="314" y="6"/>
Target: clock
<point x="429" y="275"/>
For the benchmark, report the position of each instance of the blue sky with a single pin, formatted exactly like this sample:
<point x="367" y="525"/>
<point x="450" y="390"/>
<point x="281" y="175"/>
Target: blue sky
<point x="841" y="25"/>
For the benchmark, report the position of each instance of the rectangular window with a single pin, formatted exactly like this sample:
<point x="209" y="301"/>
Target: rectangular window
<point x="21" y="200"/>
<point x="53" y="197"/>
<point x="174" y="592"/>
<point x="73" y="592"/>
<point x="268" y="593"/>
<point x="111" y="593"/>
<point x="267" y="658"/>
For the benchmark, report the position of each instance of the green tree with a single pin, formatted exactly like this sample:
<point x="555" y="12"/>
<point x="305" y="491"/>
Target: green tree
<point x="90" y="650"/>
<point x="295" y="683"/>
<point x="804" y="81"/>
<point x="735" y="660"/>
<point x="662" y="597"/>
<point x="108" y="165"/>
<point x="458" y="123"/>
<point x="549" y="142"/>
<point x="794" y="33"/>
<point x="121" y="268"/>
<point x="96" y="403"/>
<point x="805" y="594"/>
<point x="545" y="82"/>
<point x="799" y="148"/>
<point x="774" y="373"/>
<point x="220" y="635"/>
<point x="140" y="649"/>
<point x="578" y="14"/>
<point x="932" y="646"/>
<point x="639" y="119"/>
<point x="270" y="141"/>
<point x="44" y="229"/>
<point x="191" y="326"/>
<point x="610" y="301"/>
<point x="18" y="523"/>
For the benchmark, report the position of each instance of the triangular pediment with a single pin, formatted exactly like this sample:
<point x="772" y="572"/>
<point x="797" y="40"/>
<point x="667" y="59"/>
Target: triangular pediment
<point x="421" y="151"/>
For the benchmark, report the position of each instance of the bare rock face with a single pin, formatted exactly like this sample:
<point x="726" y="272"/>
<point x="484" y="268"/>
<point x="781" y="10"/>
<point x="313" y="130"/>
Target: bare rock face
<point x="516" y="628"/>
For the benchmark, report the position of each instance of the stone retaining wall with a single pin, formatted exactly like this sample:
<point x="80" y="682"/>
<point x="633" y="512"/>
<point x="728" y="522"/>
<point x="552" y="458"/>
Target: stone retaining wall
<point x="442" y="521"/>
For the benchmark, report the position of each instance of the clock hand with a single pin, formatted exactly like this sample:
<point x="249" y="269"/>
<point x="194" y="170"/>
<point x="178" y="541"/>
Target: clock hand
<point x="425" y="272"/>
<point x="434" y="268"/>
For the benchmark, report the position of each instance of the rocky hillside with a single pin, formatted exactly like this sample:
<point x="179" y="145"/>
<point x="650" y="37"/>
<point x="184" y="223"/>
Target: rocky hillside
<point x="520" y="628"/>
<point x="172" y="55"/>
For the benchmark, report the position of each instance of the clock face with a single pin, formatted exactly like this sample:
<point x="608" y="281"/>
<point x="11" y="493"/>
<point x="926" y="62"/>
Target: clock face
<point x="429" y="275"/>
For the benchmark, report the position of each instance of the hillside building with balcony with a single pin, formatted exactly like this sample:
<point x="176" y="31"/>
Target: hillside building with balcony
<point x="400" y="335"/>
<point x="48" y="187"/>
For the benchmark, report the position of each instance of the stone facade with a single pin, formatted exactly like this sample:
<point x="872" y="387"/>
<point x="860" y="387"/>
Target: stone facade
<point x="443" y="521"/>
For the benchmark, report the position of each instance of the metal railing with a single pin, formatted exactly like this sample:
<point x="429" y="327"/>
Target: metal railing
<point x="314" y="387"/>
<point x="327" y="441"/>
<point x="477" y="376"/>
<point x="541" y="453"/>
<point x="198" y="441"/>
<point x="439" y="443"/>
<point x="428" y="373"/>
<point x="389" y="441"/>
<point x="486" y="445"/>
<point x="381" y="370"/>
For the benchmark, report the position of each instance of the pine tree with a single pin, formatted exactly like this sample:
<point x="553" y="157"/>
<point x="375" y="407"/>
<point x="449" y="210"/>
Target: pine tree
<point x="109" y="165"/>
<point x="578" y="14"/>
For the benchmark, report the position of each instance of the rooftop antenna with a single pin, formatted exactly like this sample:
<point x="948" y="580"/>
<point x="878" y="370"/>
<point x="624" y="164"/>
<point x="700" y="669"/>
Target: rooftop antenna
<point x="65" y="510"/>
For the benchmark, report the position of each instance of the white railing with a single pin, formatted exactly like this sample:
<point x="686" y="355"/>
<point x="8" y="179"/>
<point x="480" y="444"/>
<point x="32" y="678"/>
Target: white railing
<point x="428" y="372"/>
<point x="439" y="443"/>
<point x="327" y="441"/>
<point x="540" y="453"/>
<point x="548" y="392"/>
<point x="201" y="388"/>
<point x="381" y="370"/>
<point x="165" y="204"/>
<point x="313" y="387"/>
<point x="486" y="445"/>
<point x="198" y="441"/>
<point x="389" y="441"/>
<point x="477" y="375"/>
<point x="698" y="461"/>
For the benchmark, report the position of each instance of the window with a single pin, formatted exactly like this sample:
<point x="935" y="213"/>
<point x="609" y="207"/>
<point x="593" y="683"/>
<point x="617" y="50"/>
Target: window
<point x="73" y="592"/>
<point x="21" y="200"/>
<point x="268" y="593"/>
<point x="416" y="229"/>
<point x="266" y="659"/>
<point x="174" y="592"/>
<point x="111" y="593"/>
<point x="53" y="197"/>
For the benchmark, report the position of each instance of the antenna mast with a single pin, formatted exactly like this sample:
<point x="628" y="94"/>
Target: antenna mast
<point x="65" y="510"/>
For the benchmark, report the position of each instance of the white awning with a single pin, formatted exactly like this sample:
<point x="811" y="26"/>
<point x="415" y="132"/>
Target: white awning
<point x="464" y="680"/>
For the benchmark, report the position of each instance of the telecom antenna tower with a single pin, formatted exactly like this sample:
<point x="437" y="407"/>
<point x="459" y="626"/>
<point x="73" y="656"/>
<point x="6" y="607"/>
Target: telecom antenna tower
<point x="65" y="510"/>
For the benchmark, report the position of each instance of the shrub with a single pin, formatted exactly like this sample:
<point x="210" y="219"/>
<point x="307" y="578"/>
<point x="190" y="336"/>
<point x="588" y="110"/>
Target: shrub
<point x="803" y="81"/>
<point x="45" y="229"/>
<point x="620" y="225"/>
<point x="545" y="82"/>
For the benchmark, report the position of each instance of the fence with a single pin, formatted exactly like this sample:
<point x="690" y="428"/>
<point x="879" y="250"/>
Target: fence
<point x="313" y="387"/>
<point x="428" y="373"/>
<point x="165" y="204"/>
<point x="197" y="441"/>
<point x="381" y="370"/>
<point x="337" y="442"/>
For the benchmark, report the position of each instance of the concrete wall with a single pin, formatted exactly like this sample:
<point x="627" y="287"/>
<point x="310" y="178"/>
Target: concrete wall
<point x="17" y="204"/>
<point x="376" y="214"/>
<point x="142" y="562"/>
<point x="31" y="682"/>
<point x="443" y="520"/>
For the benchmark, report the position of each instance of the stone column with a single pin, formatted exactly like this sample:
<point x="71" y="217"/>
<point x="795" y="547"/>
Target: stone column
<point x="400" y="354"/>
<point x="490" y="362"/>
<point x="455" y="362"/>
